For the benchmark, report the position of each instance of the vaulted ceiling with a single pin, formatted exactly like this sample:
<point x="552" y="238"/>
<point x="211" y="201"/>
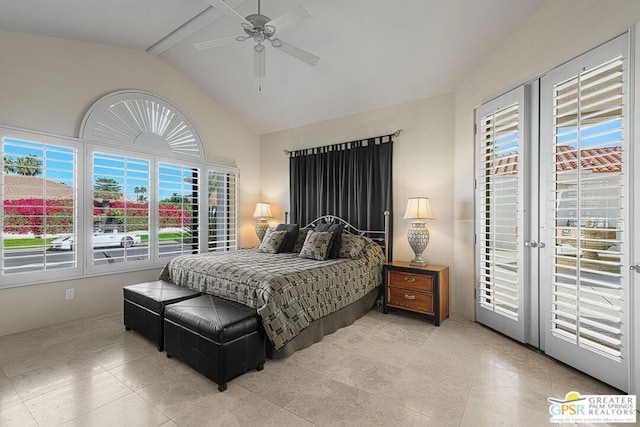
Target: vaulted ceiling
<point x="373" y="53"/>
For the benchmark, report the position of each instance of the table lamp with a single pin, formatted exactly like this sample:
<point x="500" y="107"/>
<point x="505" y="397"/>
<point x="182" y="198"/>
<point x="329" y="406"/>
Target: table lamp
<point x="418" y="210"/>
<point x="262" y="212"/>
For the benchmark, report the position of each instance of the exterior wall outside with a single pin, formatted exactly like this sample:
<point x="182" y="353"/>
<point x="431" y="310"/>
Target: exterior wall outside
<point x="47" y="84"/>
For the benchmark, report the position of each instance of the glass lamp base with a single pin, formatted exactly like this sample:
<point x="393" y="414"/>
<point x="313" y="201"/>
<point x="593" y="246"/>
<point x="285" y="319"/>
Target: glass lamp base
<point x="418" y="237"/>
<point x="418" y="261"/>
<point x="261" y="228"/>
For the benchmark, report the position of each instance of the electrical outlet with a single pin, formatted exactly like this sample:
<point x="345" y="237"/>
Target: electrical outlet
<point x="70" y="293"/>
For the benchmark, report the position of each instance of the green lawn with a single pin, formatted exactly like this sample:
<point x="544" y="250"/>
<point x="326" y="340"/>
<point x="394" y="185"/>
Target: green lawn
<point x="15" y="243"/>
<point x="37" y="242"/>
<point x="166" y="236"/>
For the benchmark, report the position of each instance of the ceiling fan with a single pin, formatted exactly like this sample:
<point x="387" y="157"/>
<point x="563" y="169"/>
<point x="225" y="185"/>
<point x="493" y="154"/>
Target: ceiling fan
<point x="261" y="29"/>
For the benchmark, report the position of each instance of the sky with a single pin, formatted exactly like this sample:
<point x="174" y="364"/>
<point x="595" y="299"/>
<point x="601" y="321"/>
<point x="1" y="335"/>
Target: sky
<point x="129" y="172"/>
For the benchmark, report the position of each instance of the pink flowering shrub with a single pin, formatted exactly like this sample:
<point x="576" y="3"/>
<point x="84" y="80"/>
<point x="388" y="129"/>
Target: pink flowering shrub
<point x="38" y="216"/>
<point x="172" y="215"/>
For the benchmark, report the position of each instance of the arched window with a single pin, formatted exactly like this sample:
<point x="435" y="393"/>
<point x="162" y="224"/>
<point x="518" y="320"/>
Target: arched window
<point x="132" y="192"/>
<point x="141" y="120"/>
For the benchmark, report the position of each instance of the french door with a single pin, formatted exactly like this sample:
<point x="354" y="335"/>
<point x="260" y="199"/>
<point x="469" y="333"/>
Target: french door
<point x="586" y="209"/>
<point x="553" y="209"/>
<point x="502" y="213"/>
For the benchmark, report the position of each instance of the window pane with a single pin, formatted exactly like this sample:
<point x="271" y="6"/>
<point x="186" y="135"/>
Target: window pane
<point x="38" y="206"/>
<point x="120" y="209"/>
<point x="499" y="194"/>
<point x="589" y="180"/>
<point x="223" y="206"/>
<point x="178" y="208"/>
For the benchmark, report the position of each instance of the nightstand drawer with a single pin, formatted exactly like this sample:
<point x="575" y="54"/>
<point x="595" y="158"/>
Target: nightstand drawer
<point x="420" y="282"/>
<point x="409" y="299"/>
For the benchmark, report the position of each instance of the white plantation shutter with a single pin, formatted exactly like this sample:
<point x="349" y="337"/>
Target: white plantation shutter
<point x="121" y="213"/>
<point x="223" y="209"/>
<point x="153" y="124"/>
<point x="498" y="193"/>
<point x="39" y="204"/>
<point x="178" y="209"/>
<point x="588" y="186"/>
<point x="143" y="193"/>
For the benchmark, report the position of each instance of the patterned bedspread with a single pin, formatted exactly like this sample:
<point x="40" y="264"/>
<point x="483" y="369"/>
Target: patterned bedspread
<point x="288" y="291"/>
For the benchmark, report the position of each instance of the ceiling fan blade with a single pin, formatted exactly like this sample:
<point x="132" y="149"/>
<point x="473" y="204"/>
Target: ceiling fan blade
<point x="295" y="51"/>
<point x="259" y="60"/>
<point x="217" y="42"/>
<point x="229" y="11"/>
<point x="290" y="18"/>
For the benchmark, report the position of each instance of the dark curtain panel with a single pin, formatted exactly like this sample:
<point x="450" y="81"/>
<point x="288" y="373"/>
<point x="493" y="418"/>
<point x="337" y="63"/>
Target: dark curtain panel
<point x="350" y="180"/>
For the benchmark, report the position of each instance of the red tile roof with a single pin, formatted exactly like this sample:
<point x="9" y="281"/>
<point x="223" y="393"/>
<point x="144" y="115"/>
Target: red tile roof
<point x="34" y="187"/>
<point x="506" y="165"/>
<point x="597" y="160"/>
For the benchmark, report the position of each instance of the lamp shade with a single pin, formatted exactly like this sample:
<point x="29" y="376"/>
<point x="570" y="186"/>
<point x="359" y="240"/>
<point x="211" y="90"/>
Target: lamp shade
<point x="418" y="208"/>
<point x="263" y="210"/>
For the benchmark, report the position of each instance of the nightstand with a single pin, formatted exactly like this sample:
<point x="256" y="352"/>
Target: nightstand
<point x="423" y="290"/>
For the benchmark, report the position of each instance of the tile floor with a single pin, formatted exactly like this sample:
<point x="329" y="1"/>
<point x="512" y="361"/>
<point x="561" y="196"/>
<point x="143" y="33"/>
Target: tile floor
<point x="384" y="370"/>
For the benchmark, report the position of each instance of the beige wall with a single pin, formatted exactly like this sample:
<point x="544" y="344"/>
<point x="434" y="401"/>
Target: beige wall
<point x="426" y="151"/>
<point x="422" y="164"/>
<point x="47" y="84"/>
<point x="559" y="31"/>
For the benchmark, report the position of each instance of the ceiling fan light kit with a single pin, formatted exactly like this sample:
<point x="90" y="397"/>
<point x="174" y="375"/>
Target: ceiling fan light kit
<point x="261" y="28"/>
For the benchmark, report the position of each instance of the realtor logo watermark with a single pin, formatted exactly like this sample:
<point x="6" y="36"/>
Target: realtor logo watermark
<point x="575" y="408"/>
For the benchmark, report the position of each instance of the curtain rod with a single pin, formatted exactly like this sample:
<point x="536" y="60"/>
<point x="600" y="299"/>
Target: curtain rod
<point x="394" y="134"/>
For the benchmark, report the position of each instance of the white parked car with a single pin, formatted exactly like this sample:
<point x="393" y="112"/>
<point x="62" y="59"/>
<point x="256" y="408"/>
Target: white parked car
<point x="107" y="237"/>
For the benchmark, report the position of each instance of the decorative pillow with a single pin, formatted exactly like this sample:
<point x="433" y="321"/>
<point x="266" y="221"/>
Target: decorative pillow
<point x="272" y="242"/>
<point x="290" y="238"/>
<point x="302" y="235"/>
<point x="316" y="245"/>
<point x="336" y="229"/>
<point x="351" y="246"/>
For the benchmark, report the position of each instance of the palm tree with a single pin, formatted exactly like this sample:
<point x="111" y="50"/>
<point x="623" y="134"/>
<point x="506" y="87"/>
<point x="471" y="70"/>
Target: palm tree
<point x="107" y="188"/>
<point x="8" y="165"/>
<point x="29" y="165"/>
<point x="141" y="191"/>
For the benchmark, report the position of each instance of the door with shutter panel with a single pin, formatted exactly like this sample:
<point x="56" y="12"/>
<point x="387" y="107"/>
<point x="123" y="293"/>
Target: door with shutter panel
<point x="585" y="211"/>
<point x="501" y="214"/>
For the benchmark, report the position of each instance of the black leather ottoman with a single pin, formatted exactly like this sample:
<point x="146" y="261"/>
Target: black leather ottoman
<point x="144" y="306"/>
<point x="221" y="339"/>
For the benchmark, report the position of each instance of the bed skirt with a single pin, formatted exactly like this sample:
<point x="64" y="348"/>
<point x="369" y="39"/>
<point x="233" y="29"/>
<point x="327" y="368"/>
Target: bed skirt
<point x="326" y="325"/>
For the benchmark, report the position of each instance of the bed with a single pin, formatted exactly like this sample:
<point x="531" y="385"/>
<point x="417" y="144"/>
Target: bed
<point x="299" y="300"/>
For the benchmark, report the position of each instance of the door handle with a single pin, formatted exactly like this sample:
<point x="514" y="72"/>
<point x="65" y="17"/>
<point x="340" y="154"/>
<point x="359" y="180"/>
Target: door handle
<point x="635" y="268"/>
<point x="534" y="244"/>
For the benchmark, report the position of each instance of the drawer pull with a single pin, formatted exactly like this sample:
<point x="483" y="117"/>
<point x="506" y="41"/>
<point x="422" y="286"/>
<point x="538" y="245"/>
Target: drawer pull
<point x="409" y="296"/>
<point x="410" y="279"/>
